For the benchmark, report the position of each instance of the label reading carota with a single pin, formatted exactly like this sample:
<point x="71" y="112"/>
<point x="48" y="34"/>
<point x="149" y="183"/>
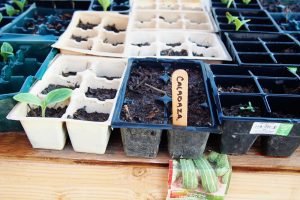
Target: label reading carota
<point x="271" y="128"/>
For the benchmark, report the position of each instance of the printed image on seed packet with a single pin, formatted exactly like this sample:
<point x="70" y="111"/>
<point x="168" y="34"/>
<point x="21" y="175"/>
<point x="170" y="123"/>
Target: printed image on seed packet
<point x="205" y="178"/>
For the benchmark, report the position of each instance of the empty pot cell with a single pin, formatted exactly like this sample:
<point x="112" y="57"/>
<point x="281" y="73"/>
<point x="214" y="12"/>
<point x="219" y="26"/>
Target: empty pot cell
<point x="262" y="28"/>
<point x="229" y="70"/>
<point x="243" y="106"/>
<point x="89" y="21"/>
<point x="174" y="51"/>
<point x="169" y="17"/>
<point x="55" y="82"/>
<point x="141" y="40"/>
<point x="261" y="21"/>
<point x="145" y="4"/>
<point x="141" y="142"/>
<point x="175" y="41"/>
<point x="5" y="21"/>
<point x="143" y="50"/>
<point x="284" y="107"/>
<point x="173" y="25"/>
<point x="108" y="69"/>
<point x="284" y="47"/>
<point x="109" y="43"/>
<point x="242" y="38"/>
<point x="115" y="24"/>
<point x="249" y="6"/>
<point x="80" y="45"/>
<point x="287" y="59"/>
<point x="236" y="85"/>
<point x="197" y="18"/>
<point x="278" y="86"/>
<point x="249" y="47"/>
<point x="67" y="66"/>
<point x="211" y="52"/>
<point x="232" y="27"/>
<point x="168" y="6"/>
<point x="192" y="6"/>
<point x="205" y="41"/>
<point x="114" y="40"/>
<point x="256" y="58"/>
<point x="272" y="72"/>
<point x="276" y="38"/>
<point x="184" y="144"/>
<point x="12" y="86"/>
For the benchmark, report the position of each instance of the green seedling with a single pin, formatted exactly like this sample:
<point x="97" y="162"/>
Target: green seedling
<point x="6" y="51"/>
<point x="1" y="17"/>
<point x="249" y="107"/>
<point x="21" y="4"/>
<point x="293" y="69"/>
<point x="227" y="2"/>
<point x="11" y="11"/>
<point x="246" y="2"/>
<point x="105" y="4"/>
<point x="230" y="18"/>
<point x="53" y="97"/>
<point x="237" y="22"/>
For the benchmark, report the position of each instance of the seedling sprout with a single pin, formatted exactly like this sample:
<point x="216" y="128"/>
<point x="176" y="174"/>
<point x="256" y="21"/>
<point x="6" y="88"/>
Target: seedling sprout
<point x="21" y="4"/>
<point x="105" y="4"/>
<point x="10" y="10"/>
<point x="6" y="51"/>
<point x="249" y="107"/>
<point x="246" y="2"/>
<point x="237" y="22"/>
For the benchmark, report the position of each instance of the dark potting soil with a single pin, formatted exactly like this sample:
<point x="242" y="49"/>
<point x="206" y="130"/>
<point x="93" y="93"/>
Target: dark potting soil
<point x="109" y="78"/>
<point x="198" y="55"/>
<point x="200" y="45"/>
<point x="174" y="44"/>
<point x="171" y="52"/>
<point x="237" y="88"/>
<point x="281" y="114"/>
<point x="78" y="38"/>
<point x="276" y="6"/>
<point x="237" y="112"/>
<point x="283" y="89"/>
<point x="56" y="26"/>
<point x="86" y="26"/>
<point x="101" y="94"/>
<point x="82" y="114"/>
<point x="50" y="112"/>
<point x="67" y="74"/>
<point x="53" y="87"/>
<point x="114" y="44"/>
<point x="113" y="28"/>
<point x="142" y="44"/>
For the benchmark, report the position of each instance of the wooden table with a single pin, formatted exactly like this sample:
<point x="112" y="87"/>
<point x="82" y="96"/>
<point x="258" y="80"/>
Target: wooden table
<point x="27" y="173"/>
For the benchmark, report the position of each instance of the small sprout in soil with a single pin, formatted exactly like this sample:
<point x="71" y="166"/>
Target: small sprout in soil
<point x="1" y="17"/>
<point x="237" y="22"/>
<point x="53" y="97"/>
<point x="6" y="51"/>
<point x="293" y="69"/>
<point x="249" y="107"/>
<point x="10" y="10"/>
<point x="105" y="4"/>
<point x="21" y="4"/>
<point x="227" y="2"/>
<point x="230" y="17"/>
<point x="246" y="2"/>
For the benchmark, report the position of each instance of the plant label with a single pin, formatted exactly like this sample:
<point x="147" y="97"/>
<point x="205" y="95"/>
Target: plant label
<point x="179" y="97"/>
<point x="282" y="129"/>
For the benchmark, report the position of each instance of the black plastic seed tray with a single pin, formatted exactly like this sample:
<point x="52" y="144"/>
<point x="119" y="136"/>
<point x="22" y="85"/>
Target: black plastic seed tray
<point x="139" y="94"/>
<point x="263" y="48"/>
<point x="121" y="6"/>
<point x="40" y="21"/>
<point x="237" y="4"/>
<point x="63" y="4"/>
<point x="260" y="20"/>
<point x="283" y="6"/>
<point x="289" y="22"/>
<point x="252" y="101"/>
<point x="296" y="36"/>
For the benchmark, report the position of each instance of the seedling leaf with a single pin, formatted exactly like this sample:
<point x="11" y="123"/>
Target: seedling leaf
<point x="293" y="69"/>
<point x="238" y="23"/>
<point x="11" y="11"/>
<point x="249" y="107"/>
<point x="21" y="4"/>
<point x="58" y="95"/>
<point x="1" y="17"/>
<point x="229" y="3"/>
<point x="246" y="1"/>
<point x="28" y="98"/>
<point x="6" y="50"/>
<point x="230" y="17"/>
<point x="105" y="4"/>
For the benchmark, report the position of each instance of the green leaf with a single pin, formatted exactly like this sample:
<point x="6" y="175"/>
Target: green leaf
<point x="58" y="95"/>
<point x="213" y="156"/>
<point x="1" y="17"/>
<point x="229" y="3"/>
<point x="189" y="176"/>
<point x="293" y="69"/>
<point x="6" y="50"/>
<point x="246" y="1"/>
<point x="21" y="4"/>
<point x="230" y="18"/>
<point x="28" y="98"/>
<point x="238" y="23"/>
<point x="224" y="1"/>
<point x="11" y="11"/>
<point x="105" y="4"/>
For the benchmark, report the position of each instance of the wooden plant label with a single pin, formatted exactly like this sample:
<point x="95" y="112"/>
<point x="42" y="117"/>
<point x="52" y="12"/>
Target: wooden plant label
<point x="180" y="97"/>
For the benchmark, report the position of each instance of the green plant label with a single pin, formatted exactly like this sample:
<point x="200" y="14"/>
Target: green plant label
<point x="282" y="129"/>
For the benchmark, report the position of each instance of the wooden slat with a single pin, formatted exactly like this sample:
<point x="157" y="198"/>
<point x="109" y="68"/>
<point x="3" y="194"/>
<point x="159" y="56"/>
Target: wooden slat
<point x="16" y="145"/>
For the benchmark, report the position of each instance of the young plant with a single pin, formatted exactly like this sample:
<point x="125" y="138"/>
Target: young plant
<point x="249" y="107"/>
<point x="230" y="18"/>
<point x="227" y="2"/>
<point x="105" y="4"/>
<point x="53" y="97"/>
<point x="1" y="17"/>
<point x="237" y="22"/>
<point x="293" y="69"/>
<point x="6" y="50"/>
<point x="11" y="11"/>
<point x="246" y="2"/>
<point x="21" y="4"/>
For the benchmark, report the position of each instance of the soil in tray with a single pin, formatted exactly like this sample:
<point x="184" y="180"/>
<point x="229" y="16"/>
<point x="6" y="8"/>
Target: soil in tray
<point x="82" y="114"/>
<point x="142" y="44"/>
<point x="50" y="112"/>
<point x="236" y="111"/>
<point x="86" y="26"/>
<point x="171" y="52"/>
<point x="113" y="28"/>
<point x="199" y="55"/>
<point x="78" y="38"/>
<point x="174" y="44"/>
<point x="53" y="87"/>
<point x="67" y="74"/>
<point x="274" y="6"/>
<point x="237" y="88"/>
<point x="283" y="89"/>
<point x="280" y="114"/>
<point x="114" y="44"/>
<point x="109" y="78"/>
<point x="101" y="94"/>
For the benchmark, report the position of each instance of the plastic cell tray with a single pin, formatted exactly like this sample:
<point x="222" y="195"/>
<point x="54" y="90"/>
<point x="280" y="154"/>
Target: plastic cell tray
<point x="41" y="21"/>
<point x="63" y="4"/>
<point x="237" y="4"/>
<point x="280" y="5"/>
<point x="10" y="2"/>
<point x="263" y="48"/>
<point x="260" y="20"/>
<point x="161" y="103"/>
<point x="288" y="23"/>
<point x="121" y="6"/>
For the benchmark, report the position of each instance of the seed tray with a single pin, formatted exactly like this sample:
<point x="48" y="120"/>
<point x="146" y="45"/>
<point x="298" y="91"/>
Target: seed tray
<point x="296" y="36"/>
<point x="121" y="6"/>
<point x="63" y="4"/>
<point x="260" y="20"/>
<point x="237" y="4"/>
<point x="176" y="44"/>
<point x="132" y="100"/>
<point x="5" y="21"/>
<point x="183" y="5"/>
<point x="263" y="48"/>
<point x="288" y="23"/>
<point x="183" y="20"/>
<point x="40" y="21"/>
<point x="280" y="5"/>
<point x="95" y="33"/>
<point x="9" y="2"/>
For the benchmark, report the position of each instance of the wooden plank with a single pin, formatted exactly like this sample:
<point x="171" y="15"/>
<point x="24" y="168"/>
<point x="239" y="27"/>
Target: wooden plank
<point x="36" y="180"/>
<point x="16" y="145"/>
